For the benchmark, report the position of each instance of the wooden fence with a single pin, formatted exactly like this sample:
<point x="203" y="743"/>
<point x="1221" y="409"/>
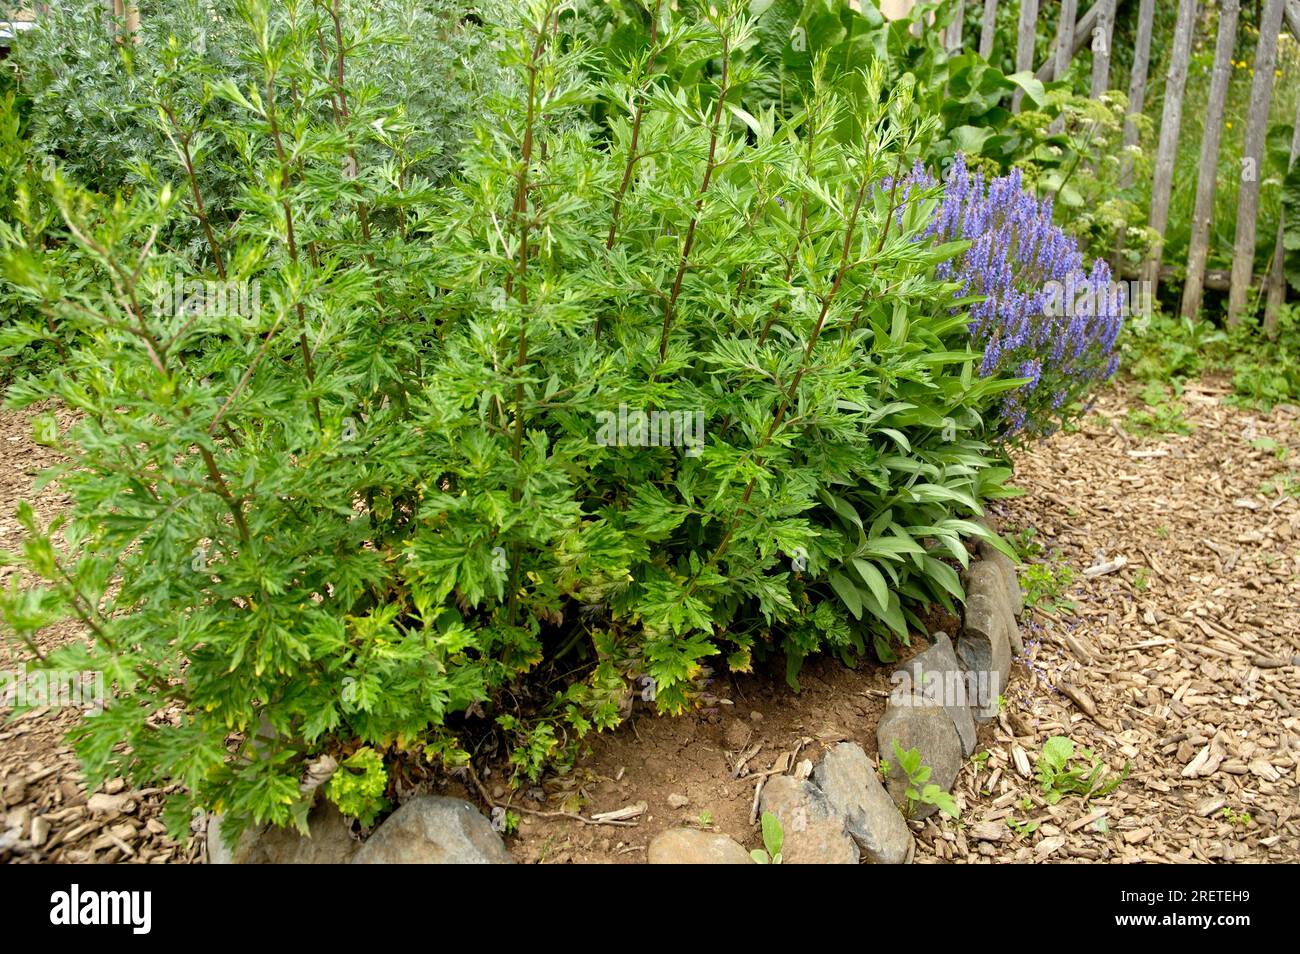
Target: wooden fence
<point x="1095" y="28"/>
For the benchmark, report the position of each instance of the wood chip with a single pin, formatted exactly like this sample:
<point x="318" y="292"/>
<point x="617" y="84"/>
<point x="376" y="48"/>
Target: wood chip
<point x="621" y="814"/>
<point x="990" y="831"/>
<point x="1078" y="696"/>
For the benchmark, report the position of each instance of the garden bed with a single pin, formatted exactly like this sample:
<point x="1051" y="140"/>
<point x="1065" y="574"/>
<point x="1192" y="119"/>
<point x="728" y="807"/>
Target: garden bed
<point x="1190" y="645"/>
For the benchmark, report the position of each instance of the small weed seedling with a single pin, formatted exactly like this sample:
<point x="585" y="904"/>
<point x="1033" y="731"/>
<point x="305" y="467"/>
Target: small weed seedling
<point x="1287" y="484"/>
<point x="1022" y="828"/>
<point x="1270" y="446"/>
<point x="1236" y="819"/>
<point x="920" y="790"/>
<point x="1042" y="576"/>
<point x="773" y="839"/>
<point x="1086" y="778"/>
<point x="1044" y="583"/>
<point x="1164" y="415"/>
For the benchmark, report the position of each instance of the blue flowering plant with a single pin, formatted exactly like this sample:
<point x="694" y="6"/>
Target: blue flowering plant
<point x="1039" y="313"/>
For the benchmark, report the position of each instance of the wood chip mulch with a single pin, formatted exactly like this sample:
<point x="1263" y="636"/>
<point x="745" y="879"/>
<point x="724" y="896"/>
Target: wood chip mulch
<point x="1180" y="655"/>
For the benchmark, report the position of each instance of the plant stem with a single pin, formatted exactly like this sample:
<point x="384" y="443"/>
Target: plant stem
<point x="182" y="143"/>
<point x="518" y="285"/>
<point x="671" y="305"/>
<point x="289" y="236"/>
<point x="632" y="155"/>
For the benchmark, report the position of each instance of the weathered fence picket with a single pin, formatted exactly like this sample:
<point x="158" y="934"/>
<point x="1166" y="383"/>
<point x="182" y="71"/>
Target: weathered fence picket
<point x="1207" y="178"/>
<point x="1171" y="121"/>
<point x="1261" y="93"/>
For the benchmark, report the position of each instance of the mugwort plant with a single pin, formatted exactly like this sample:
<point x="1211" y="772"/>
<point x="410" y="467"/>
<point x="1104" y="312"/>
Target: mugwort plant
<point x="651" y="387"/>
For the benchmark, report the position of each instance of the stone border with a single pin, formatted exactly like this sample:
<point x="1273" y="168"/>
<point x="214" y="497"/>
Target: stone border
<point x="941" y="693"/>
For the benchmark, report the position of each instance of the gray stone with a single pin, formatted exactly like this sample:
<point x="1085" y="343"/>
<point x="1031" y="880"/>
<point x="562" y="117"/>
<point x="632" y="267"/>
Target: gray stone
<point x="930" y="731"/>
<point x="813" y="831"/>
<point x="935" y="677"/>
<point x="1007" y="570"/>
<point x="988" y="578"/>
<point x="984" y="650"/>
<point x="330" y="842"/>
<point x="434" y="830"/>
<point x="218" y="853"/>
<point x="848" y="780"/>
<point x="690" y="846"/>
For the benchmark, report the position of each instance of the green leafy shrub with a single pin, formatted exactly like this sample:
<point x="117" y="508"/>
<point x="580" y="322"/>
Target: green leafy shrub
<point x="116" y="117"/>
<point x="358" y="786"/>
<point x="400" y="496"/>
<point x="96" y="101"/>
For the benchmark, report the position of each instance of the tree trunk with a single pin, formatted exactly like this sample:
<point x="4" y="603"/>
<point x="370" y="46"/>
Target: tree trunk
<point x="1261" y="92"/>
<point x="1025" y="36"/>
<point x="1207" y="178"/>
<point x="1277" y="274"/>
<point x="1171" y="120"/>
<point x="1101" y="37"/>
<point x="988" y="28"/>
<point x="1137" y="83"/>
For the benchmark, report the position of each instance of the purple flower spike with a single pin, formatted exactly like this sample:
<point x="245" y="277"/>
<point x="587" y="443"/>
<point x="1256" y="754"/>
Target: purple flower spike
<point x="1043" y="316"/>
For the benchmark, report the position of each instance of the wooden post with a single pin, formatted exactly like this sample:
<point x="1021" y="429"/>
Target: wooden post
<point x="1101" y="37"/>
<point x="956" y="28"/>
<point x="1064" y="51"/>
<point x="129" y="12"/>
<point x="1082" y="33"/>
<point x="1065" y="38"/>
<point x="988" y="28"/>
<point x="1207" y="178"/>
<point x="1025" y="34"/>
<point x="895" y="9"/>
<point x="1252" y="159"/>
<point x="1171" y="120"/>
<point x="1277" y="273"/>
<point x="1137" y="83"/>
